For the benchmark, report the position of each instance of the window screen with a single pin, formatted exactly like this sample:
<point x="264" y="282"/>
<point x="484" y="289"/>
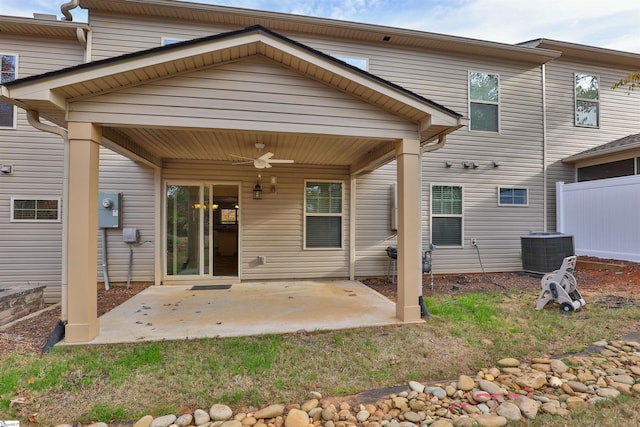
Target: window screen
<point x="323" y="214"/>
<point x="446" y="215"/>
<point x="41" y="209"/>
<point x="8" y="65"/>
<point x="587" y="90"/>
<point x="483" y="102"/>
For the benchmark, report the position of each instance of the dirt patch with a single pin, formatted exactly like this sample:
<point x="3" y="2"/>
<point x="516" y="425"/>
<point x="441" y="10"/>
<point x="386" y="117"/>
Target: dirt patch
<point x="30" y="335"/>
<point x="591" y="282"/>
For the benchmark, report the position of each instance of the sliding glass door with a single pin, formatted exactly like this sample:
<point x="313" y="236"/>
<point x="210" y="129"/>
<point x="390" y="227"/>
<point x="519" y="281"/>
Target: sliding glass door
<point x="202" y="225"/>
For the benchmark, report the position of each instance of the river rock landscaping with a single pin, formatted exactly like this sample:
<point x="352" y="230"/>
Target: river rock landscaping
<point x="511" y="391"/>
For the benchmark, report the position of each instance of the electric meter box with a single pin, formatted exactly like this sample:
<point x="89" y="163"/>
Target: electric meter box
<point x="130" y="235"/>
<point x="109" y="210"/>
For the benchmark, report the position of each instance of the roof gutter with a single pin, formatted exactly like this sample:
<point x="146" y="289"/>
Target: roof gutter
<point x="442" y="139"/>
<point x="588" y="155"/>
<point x="34" y="120"/>
<point x="65" y="8"/>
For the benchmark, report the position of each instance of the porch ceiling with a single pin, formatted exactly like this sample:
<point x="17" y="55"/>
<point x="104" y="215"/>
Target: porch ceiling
<point x="219" y="145"/>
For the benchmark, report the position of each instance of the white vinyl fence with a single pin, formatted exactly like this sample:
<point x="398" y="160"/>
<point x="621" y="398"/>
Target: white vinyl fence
<point x="603" y="216"/>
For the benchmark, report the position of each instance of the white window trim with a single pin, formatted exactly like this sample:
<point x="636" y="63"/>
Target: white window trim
<point x="305" y="214"/>
<point x="13" y="198"/>
<point x="431" y="215"/>
<point x="358" y="58"/>
<point x="469" y="101"/>
<point x="174" y="39"/>
<point x="510" y="187"/>
<point x="15" y="109"/>
<point x="576" y="99"/>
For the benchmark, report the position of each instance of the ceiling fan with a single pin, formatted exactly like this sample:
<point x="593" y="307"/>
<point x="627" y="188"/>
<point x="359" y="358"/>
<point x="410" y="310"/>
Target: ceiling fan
<point x="261" y="162"/>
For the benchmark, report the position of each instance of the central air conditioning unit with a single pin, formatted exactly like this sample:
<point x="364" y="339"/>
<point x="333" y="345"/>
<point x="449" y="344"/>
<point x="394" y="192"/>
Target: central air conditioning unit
<point x="544" y="252"/>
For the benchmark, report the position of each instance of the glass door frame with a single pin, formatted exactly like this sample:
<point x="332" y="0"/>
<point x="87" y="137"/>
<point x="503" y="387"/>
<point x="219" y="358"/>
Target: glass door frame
<point x="210" y="184"/>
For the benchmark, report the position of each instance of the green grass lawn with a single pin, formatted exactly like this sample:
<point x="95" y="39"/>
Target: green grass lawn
<point x="464" y="334"/>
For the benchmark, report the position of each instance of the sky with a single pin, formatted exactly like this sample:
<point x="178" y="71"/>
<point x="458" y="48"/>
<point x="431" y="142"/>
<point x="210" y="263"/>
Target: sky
<point x="614" y="24"/>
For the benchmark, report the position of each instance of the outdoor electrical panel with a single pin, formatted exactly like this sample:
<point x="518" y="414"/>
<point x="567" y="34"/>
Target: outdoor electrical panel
<point x="109" y="210"/>
<point x="130" y="235"/>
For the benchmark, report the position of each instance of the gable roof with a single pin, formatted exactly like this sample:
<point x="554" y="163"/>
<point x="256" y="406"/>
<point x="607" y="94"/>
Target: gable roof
<point x="627" y="143"/>
<point x="51" y="90"/>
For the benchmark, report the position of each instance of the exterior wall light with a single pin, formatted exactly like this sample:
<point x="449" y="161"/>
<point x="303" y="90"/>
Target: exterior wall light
<point x="257" y="190"/>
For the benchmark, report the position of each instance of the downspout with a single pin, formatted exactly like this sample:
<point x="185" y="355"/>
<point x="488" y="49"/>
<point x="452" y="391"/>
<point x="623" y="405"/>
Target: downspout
<point x="65" y="8"/>
<point x="544" y="146"/>
<point x="352" y="227"/>
<point x="442" y="139"/>
<point x="34" y="120"/>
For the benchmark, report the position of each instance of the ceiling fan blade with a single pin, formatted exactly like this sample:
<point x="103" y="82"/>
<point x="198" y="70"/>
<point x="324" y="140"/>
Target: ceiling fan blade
<point x="242" y="163"/>
<point x="280" y="161"/>
<point x="242" y="157"/>
<point x="266" y="156"/>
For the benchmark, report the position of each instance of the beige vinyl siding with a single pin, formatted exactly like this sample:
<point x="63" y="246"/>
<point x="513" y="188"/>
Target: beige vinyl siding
<point x="31" y="252"/>
<point x="115" y="35"/>
<point x="618" y="118"/>
<point x="373" y="221"/>
<point x="274" y="99"/>
<point x="137" y="185"/>
<point x="518" y="150"/>
<point x="517" y="147"/>
<point x="273" y="227"/>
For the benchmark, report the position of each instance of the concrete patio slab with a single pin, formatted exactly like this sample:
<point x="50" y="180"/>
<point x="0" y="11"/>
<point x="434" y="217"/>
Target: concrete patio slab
<point x="250" y="308"/>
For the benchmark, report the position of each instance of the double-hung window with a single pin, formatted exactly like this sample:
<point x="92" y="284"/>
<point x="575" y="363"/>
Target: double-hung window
<point x="587" y="96"/>
<point x="37" y="209"/>
<point x="8" y="72"/>
<point x="484" y="108"/>
<point x="323" y="215"/>
<point x="446" y="215"/>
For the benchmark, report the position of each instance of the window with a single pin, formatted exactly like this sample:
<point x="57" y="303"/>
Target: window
<point x="615" y="169"/>
<point x="323" y="214"/>
<point x="446" y="215"/>
<point x="510" y="196"/>
<point x="41" y="209"/>
<point x="166" y="40"/>
<point x="9" y="65"/>
<point x="361" y="63"/>
<point x="483" y="102"/>
<point x="587" y="100"/>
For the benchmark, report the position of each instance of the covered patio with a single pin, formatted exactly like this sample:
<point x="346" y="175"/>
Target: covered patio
<point x="251" y="308"/>
<point x="204" y="99"/>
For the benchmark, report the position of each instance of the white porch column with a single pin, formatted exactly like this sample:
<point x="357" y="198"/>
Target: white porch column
<point x="409" y="258"/>
<point x="82" y="257"/>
